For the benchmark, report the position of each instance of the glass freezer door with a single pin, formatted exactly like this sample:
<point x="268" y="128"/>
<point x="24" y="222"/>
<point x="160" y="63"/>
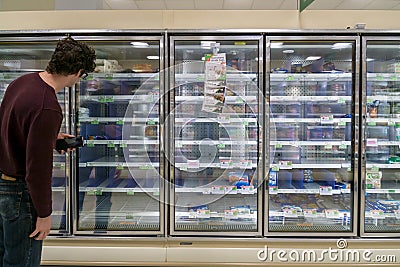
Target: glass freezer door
<point x="118" y="116"/>
<point x="311" y="175"/>
<point x="381" y="137"/>
<point x="215" y="135"/>
<point x="19" y="57"/>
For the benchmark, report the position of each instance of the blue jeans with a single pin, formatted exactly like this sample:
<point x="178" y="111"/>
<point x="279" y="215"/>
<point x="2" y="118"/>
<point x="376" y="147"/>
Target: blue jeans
<point x="17" y="222"/>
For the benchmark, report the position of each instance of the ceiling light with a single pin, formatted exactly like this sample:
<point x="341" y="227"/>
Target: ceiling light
<point x="140" y="44"/>
<point x="313" y="58"/>
<point x="276" y="45"/>
<point x="341" y="45"/>
<point x="288" y="51"/>
<point x="370" y="59"/>
<point x="207" y="44"/>
<point x="153" y="57"/>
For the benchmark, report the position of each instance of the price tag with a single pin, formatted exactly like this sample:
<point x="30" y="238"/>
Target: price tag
<point x="110" y="144"/>
<point x="151" y="122"/>
<point x="146" y="167"/>
<point x="247" y="190"/>
<point x="226" y="163"/>
<point x="179" y="145"/>
<point x="129" y="216"/>
<point x="245" y="123"/>
<point x="310" y="213"/>
<point x="156" y="193"/>
<point x="278" y="146"/>
<point x="102" y="99"/>
<point x="109" y="99"/>
<point x="123" y="144"/>
<point x="372" y="123"/>
<point x="391" y="123"/>
<point x="109" y="76"/>
<point x="372" y="142"/>
<point x="283" y="164"/>
<point x="120" y="167"/>
<point x="204" y="214"/>
<point x="342" y="123"/>
<point x="120" y="122"/>
<point x="224" y="119"/>
<point x="332" y="214"/>
<point x="273" y="190"/>
<point x="291" y="213"/>
<point x="218" y="190"/>
<point x="341" y="101"/>
<point x="130" y="192"/>
<point x="90" y="143"/>
<point x="327" y="119"/>
<point x="183" y="167"/>
<point x="275" y="168"/>
<point x="325" y="190"/>
<point x="342" y="146"/>
<point x="231" y="214"/>
<point x="95" y="191"/>
<point x="231" y="190"/>
<point x="377" y="214"/>
<point x="245" y="164"/>
<point x="221" y="145"/>
<point x="193" y="164"/>
<point x="94" y="121"/>
<point x="290" y="78"/>
<point x="328" y="147"/>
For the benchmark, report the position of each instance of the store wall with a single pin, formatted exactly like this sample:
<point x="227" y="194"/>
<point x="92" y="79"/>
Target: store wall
<point x="197" y="19"/>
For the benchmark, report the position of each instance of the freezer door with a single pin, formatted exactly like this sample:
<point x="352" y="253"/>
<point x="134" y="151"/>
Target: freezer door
<point x="311" y="173"/>
<point x="215" y="137"/>
<point x="118" y="114"/>
<point x="381" y="137"/>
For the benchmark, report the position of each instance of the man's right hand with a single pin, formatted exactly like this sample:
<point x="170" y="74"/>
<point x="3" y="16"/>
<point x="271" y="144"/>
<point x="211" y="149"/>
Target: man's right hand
<point x="43" y="226"/>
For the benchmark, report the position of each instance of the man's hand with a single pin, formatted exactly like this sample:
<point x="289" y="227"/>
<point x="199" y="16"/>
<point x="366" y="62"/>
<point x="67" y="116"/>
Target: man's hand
<point x="43" y="226"/>
<point x="62" y="136"/>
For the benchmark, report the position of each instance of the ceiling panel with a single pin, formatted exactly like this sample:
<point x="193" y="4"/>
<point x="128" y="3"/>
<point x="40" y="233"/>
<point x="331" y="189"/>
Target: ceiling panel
<point x="325" y="4"/>
<point x="354" y="4"/>
<point x="180" y="4"/>
<point x="150" y="4"/>
<point x="237" y="4"/>
<point x="119" y="5"/>
<point x="208" y="4"/>
<point x="267" y="4"/>
<point x="383" y="4"/>
<point x="288" y="5"/>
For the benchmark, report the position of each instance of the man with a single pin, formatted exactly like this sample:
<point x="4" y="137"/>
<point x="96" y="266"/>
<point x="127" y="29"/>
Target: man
<point x="30" y="119"/>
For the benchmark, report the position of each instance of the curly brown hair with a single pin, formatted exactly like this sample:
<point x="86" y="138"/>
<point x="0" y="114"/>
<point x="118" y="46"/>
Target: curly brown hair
<point x="71" y="56"/>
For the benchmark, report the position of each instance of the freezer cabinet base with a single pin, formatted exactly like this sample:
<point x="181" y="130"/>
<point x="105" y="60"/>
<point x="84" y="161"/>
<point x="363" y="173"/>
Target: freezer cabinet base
<point x="192" y="251"/>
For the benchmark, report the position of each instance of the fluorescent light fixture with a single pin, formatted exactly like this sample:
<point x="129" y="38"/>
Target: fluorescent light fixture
<point x="153" y="57"/>
<point x="288" y="51"/>
<point x="370" y="59"/>
<point x="341" y="45"/>
<point x="207" y="44"/>
<point x="140" y="44"/>
<point x="276" y="45"/>
<point x="313" y="58"/>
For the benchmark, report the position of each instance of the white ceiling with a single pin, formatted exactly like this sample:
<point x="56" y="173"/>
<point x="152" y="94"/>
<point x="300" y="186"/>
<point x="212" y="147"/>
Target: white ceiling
<point x="7" y="5"/>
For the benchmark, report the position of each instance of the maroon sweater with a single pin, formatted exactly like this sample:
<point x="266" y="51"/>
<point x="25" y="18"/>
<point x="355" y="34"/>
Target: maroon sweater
<point x="30" y="119"/>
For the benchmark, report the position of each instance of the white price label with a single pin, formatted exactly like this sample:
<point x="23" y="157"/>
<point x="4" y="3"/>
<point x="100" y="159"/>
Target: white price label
<point x="325" y="190"/>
